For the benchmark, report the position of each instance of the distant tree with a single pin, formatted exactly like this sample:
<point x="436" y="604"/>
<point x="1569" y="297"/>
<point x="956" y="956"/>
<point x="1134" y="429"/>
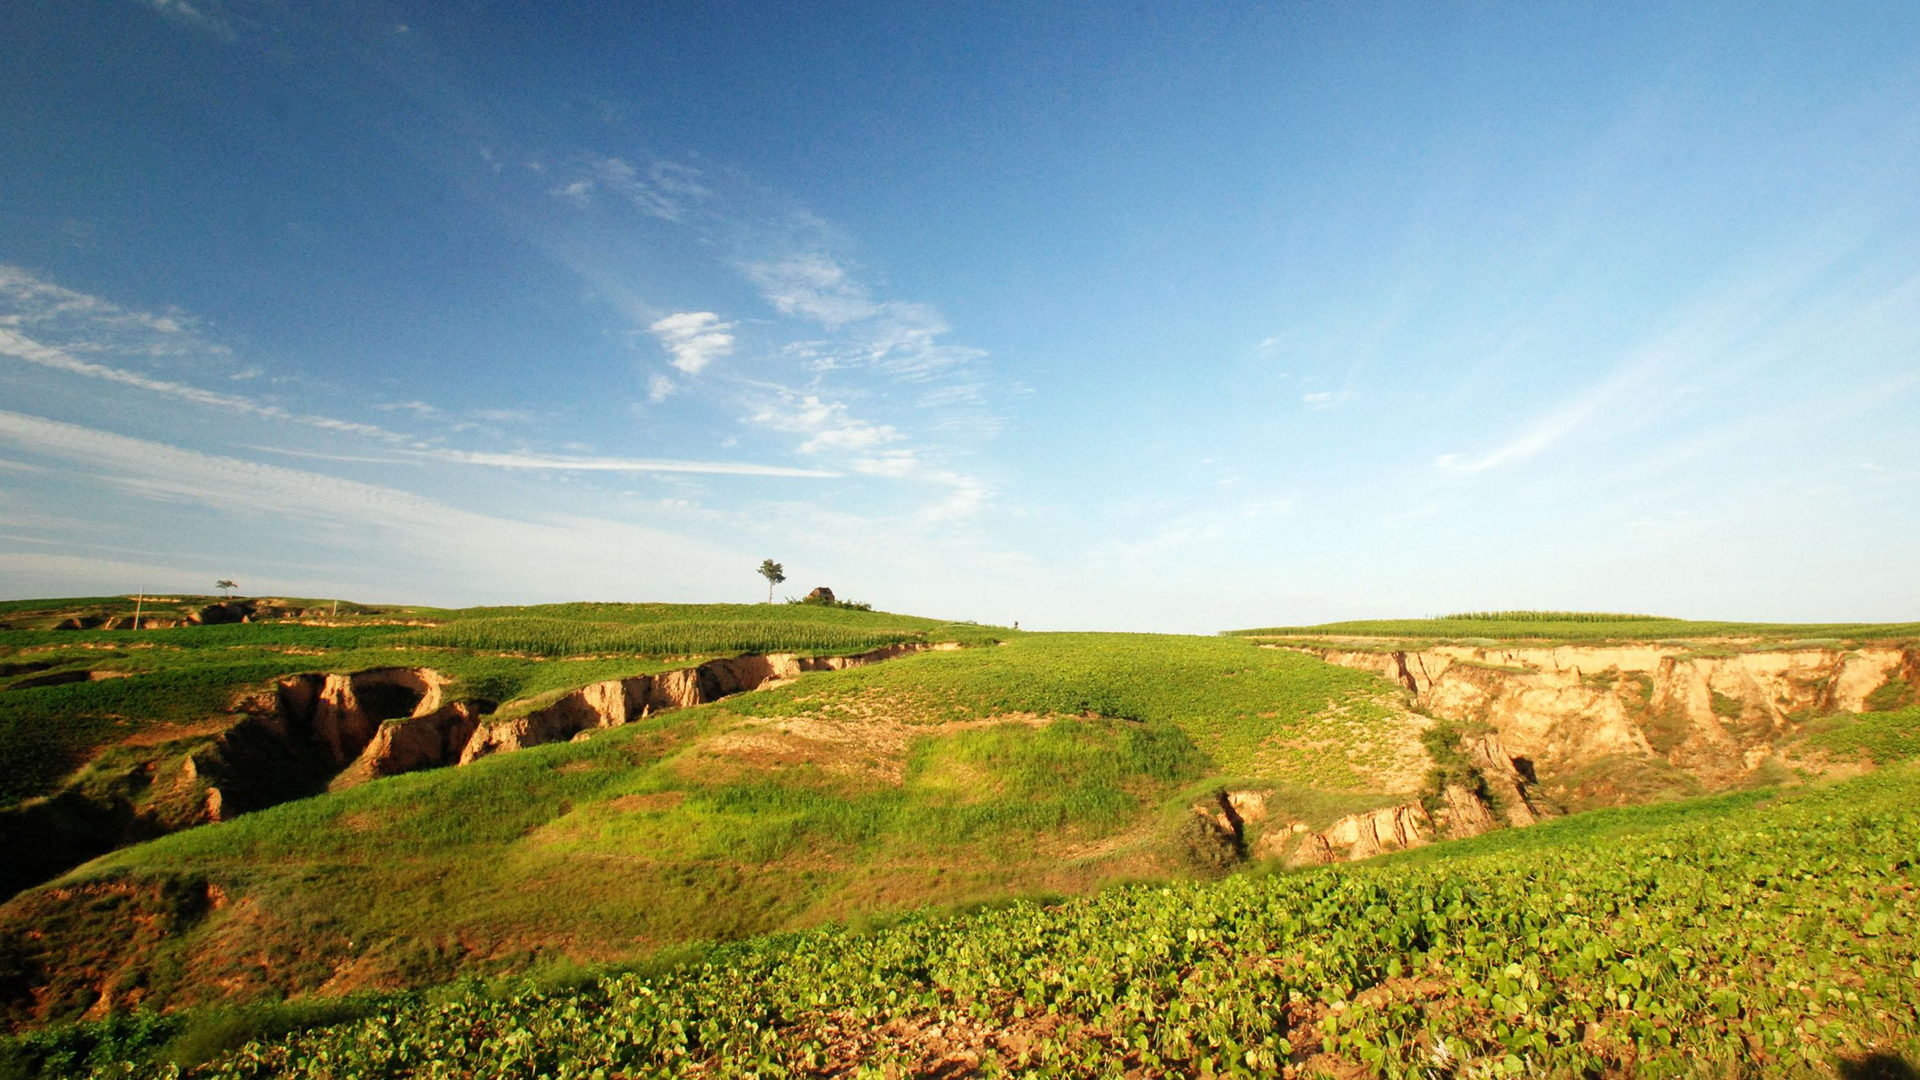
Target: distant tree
<point x="774" y="574"/>
<point x="225" y="586"/>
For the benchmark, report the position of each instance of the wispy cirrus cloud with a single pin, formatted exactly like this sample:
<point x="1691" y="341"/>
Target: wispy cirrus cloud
<point x="532" y="462"/>
<point x="900" y="338"/>
<point x="694" y="339"/>
<point x="697" y="338"/>
<point x="208" y="16"/>
<point x="578" y="554"/>
<point x="20" y="347"/>
<point x="555" y="462"/>
<point x="825" y="425"/>
<point x="1741" y="326"/>
<point x="89" y="324"/>
<point x="665" y="189"/>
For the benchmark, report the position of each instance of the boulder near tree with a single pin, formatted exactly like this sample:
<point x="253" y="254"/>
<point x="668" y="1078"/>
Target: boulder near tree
<point x="774" y="574"/>
<point x="821" y="595"/>
<point x="226" y="586"/>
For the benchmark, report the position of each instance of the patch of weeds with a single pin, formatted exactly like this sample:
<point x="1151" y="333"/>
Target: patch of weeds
<point x="1883" y="738"/>
<point x="1602" y="680"/>
<point x="1895" y="693"/>
<point x="1726" y="706"/>
<point x="1643" y="685"/>
<point x="1621" y="779"/>
<point x="1666" y="729"/>
<point x="1770" y="773"/>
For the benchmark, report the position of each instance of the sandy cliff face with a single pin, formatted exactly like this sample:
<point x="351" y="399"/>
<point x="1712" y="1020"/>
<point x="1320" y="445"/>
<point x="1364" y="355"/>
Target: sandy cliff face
<point x="622" y="701"/>
<point x="1716" y="717"/>
<point x="1456" y="811"/>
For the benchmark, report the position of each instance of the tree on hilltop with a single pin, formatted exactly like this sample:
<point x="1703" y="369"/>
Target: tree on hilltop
<point x="225" y="586"/>
<point x="774" y="574"/>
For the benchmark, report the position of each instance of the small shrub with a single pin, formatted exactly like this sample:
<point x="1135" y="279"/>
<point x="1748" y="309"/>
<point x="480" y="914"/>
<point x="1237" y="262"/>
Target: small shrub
<point x="1451" y="766"/>
<point x="1204" y="846"/>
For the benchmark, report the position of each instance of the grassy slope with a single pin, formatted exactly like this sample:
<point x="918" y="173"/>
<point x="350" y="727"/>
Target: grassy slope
<point x="710" y="823"/>
<point x="1589" y="627"/>
<point x="1759" y="933"/>
<point x="188" y="674"/>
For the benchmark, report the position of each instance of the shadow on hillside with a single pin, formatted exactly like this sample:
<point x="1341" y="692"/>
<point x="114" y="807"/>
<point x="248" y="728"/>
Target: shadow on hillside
<point x="1879" y="1067"/>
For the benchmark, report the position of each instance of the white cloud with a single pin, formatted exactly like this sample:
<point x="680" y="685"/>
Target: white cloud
<point x="96" y="325"/>
<point x="557" y="556"/>
<point x="667" y="190"/>
<point x="502" y="416"/>
<point x="827" y="425"/>
<point x="522" y="460"/>
<point x="207" y="16"/>
<point x="813" y="287"/>
<point x="21" y="347"/>
<point x="1325" y="399"/>
<point x="966" y="496"/>
<point x="901" y="338"/>
<point x="658" y="388"/>
<point x="694" y="339"/>
<point x="891" y="463"/>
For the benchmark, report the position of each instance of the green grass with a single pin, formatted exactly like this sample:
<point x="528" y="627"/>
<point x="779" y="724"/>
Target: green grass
<point x="1880" y="737"/>
<point x="684" y="630"/>
<point x="1758" y="933"/>
<point x="1556" y="626"/>
<point x="1555" y="617"/>
<point x="1241" y="702"/>
<point x="1893" y="694"/>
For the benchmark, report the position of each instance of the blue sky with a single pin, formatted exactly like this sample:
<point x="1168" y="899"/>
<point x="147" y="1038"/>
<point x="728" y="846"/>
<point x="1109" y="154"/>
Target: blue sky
<point x="1121" y="316"/>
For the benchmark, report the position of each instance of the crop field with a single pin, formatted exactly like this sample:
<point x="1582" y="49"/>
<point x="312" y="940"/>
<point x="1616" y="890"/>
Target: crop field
<point x="1560" y="626"/>
<point x="684" y="630"/>
<point x="1761" y="932"/>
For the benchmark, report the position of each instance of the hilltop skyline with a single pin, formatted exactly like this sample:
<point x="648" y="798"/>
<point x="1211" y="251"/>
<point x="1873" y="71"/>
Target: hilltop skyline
<point x="1086" y="319"/>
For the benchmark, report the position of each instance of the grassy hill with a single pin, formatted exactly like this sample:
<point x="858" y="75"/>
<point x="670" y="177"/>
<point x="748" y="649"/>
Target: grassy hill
<point x="1012" y="856"/>
<point x="160" y="682"/>
<point x="1052" y="763"/>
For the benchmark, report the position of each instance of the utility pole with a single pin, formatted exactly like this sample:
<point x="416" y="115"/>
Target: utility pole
<point x="137" y="601"/>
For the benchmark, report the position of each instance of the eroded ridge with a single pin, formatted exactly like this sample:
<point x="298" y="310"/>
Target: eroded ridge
<point x="1716" y="715"/>
<point x="318" y="732"/>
